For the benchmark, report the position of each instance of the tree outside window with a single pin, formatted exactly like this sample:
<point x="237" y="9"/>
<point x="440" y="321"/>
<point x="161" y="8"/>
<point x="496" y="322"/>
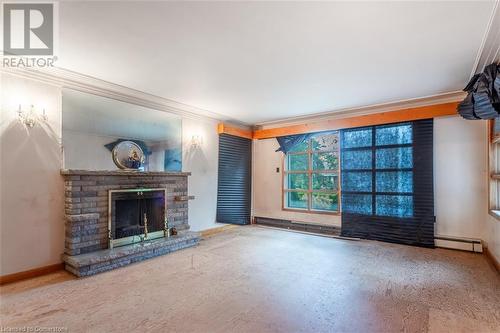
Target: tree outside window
<point x="311" y="177"/>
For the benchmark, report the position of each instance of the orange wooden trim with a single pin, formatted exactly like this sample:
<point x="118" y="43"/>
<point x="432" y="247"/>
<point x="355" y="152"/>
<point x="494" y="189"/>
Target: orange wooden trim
<point x="417" y="113"/>
<point x="4" y="279"/>
<point x="231" y="130"/>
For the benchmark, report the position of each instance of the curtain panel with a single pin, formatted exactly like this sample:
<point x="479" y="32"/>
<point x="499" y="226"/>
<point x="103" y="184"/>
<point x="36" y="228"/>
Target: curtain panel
<point x="387" y="183"/>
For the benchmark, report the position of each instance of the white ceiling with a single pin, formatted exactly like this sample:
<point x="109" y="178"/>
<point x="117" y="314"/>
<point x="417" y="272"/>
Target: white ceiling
<point x="261" y="61"/>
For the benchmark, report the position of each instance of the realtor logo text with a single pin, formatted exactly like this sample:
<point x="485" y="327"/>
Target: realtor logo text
<point x="28" y="35"/>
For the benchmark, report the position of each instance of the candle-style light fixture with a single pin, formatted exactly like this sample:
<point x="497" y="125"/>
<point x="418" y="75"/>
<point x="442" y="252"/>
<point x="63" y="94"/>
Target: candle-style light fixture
<point x="31" y="118"/>
<point x="196" y="141"/>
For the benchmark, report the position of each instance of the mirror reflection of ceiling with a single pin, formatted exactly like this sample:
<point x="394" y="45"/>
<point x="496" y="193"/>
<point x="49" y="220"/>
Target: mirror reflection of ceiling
<point x="257" y="61"/>
<point x="86" y="113"/>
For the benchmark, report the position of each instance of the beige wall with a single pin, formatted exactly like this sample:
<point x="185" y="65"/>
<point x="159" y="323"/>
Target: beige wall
<point x="202" y="161"/>
<point x="32" y="190"/>
<point x="32" y="193"/>
<point x="31" y="218"/>
<point x="460" y="177"/>
<point x="460" y="183"/>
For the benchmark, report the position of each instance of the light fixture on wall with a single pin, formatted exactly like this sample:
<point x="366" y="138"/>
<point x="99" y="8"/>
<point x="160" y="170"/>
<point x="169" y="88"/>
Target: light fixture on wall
<point x="196" y="141"/>
<point x="32" y="117"/>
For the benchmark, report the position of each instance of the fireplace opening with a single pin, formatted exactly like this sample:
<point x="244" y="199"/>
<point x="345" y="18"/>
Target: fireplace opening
<point x="136" y="215"/>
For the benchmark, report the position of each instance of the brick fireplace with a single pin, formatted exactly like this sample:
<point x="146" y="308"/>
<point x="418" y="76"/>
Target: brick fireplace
<point x="136" y="214"/>
<point x="88" y="196"/>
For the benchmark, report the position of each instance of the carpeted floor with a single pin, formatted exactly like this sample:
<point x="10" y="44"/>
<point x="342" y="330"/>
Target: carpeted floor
<point x="256" y="279"/>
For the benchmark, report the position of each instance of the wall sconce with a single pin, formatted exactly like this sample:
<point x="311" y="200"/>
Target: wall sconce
<point x="196" y="141"/>
<point x="31" y="118"/>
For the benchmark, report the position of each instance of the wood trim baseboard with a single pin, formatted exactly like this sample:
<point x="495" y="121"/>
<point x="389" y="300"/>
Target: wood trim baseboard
<point x="9" y="278"/>
<point x="223" y="128"/>
<point x="410" y="114"/>
<point x="491" y="258"/>
<point x="216" y="230"/>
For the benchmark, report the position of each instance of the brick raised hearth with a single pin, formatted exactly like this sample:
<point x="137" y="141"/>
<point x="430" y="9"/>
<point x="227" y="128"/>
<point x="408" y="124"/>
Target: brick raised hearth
<point x="86" y="207"/>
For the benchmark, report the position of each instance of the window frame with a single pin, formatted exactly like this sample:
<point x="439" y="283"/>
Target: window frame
<point x="309" y="152"/>
<point x="493" y="171"/>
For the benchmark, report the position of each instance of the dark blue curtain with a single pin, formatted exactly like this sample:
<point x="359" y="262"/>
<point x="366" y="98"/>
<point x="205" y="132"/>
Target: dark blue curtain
<point x="387" y="183"/>
<point x="234" y="190"/>
<point x="287" y="143"/>
<point x="483" y="98"/>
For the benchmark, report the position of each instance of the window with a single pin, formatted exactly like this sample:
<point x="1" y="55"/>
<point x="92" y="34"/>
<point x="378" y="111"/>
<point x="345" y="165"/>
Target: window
<point x="494" y="168"/>
<point x="377" y="170"/>
<point x="311" y="175"/>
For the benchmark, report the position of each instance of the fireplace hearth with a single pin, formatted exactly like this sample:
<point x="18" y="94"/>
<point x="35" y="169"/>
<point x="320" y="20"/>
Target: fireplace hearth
<point x="114" y="218"/>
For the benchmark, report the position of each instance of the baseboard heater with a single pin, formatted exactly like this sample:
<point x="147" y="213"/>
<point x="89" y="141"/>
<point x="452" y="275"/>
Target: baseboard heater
<point x="465" y="244"/>
<point x="298" y="226"/>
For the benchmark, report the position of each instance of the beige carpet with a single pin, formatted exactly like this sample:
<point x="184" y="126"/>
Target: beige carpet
<point x="255" y="279"/>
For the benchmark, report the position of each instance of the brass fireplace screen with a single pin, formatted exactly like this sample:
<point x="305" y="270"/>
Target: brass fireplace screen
<point x="136" y="215"/>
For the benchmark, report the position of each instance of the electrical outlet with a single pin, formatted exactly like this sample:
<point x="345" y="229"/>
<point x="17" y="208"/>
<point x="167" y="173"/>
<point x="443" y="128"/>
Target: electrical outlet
<point x="277" y="170"/>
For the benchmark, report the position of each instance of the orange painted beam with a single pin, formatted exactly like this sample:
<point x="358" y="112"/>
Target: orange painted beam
<point x="232" y="130"/>
<point x="417" y="113"/>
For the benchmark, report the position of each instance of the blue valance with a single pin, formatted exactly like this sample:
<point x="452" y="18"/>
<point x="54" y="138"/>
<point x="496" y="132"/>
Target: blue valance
<point x="287" y="143"/>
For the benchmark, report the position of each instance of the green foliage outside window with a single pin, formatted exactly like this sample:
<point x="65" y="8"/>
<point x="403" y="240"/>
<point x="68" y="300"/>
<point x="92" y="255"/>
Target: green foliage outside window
<point x="325" y="161"/>
<point x="298" y="162"/>
<point x="312" y="175"/>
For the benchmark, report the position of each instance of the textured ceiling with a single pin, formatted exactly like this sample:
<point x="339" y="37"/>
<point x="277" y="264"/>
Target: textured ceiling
<point x="261" y="61"/>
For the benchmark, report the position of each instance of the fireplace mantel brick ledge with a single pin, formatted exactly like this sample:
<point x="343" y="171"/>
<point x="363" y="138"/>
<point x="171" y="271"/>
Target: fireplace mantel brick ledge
<point x="74" y="172"/>
<point x="86" y="249"/>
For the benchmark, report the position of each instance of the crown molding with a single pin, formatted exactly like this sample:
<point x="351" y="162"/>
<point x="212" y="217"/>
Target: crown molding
<point x="366" y="110"/>
<point x="489" y="50"/>
<point x="66" y="79"/>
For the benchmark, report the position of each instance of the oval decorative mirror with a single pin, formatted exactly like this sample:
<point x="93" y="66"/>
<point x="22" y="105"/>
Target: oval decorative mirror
<point x="128" y="155"/>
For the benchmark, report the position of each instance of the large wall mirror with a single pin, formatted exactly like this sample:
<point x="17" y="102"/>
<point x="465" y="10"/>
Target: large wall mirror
<point x="93" y="125"/>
